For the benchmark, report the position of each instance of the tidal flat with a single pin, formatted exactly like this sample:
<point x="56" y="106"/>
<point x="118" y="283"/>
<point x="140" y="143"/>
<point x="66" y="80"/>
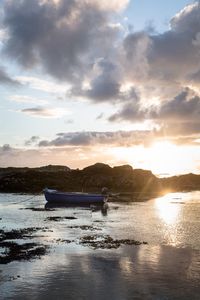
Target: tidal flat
<point x="138" y="250"/>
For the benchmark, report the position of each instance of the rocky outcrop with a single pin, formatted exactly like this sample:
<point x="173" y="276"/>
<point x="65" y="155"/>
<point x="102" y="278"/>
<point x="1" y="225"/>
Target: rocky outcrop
<point x="187" y="182"/>
<point x="121" y="179"/>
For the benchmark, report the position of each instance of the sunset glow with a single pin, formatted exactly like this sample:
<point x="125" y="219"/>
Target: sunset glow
<point x="108" y="86"/>
<point x="162" y="158"/>
<point x="100" y="149"/>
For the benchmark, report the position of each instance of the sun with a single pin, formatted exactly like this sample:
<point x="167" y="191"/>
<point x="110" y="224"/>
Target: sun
<point x="166" y="158"/>
<point x="163" y="158"/>
<point x="162" y="146"/>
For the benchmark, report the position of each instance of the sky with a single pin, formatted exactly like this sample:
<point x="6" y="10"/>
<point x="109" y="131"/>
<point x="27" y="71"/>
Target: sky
<point x="100" y="81"/>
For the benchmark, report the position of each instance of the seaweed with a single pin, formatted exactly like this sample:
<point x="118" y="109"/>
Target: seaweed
<point x="107" y="242"/>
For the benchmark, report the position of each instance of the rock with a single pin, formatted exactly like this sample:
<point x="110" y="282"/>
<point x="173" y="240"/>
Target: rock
<point x="57" y="218"/>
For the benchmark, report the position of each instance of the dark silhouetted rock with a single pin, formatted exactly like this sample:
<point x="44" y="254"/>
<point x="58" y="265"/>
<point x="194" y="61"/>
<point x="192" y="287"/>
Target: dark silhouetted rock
<point x="123" y="179"/>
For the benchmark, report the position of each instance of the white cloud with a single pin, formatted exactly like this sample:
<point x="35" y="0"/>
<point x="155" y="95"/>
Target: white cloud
<point x="27" y="99"/>
<point x="43" y="112"/>
<point x="43" y="85"/>
<point x="113" y="5"/>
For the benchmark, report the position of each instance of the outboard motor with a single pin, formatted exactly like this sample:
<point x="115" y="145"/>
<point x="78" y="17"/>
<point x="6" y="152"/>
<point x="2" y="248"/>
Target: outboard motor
<point x="104" y="191"/>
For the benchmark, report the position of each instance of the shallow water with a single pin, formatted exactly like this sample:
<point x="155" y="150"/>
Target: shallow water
<point x="168" y="267"/>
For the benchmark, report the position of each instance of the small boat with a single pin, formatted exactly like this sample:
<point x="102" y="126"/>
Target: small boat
<point x="54" y="196"/>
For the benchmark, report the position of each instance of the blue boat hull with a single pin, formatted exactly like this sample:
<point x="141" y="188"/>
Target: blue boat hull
<point x="53" y="196"/>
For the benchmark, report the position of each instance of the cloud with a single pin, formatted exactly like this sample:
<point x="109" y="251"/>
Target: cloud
<point x="181" y="115"/>
<point x="178" y="133"/>
<point x="129" y="112"/>
<point x="20" y="157"/>
<point x="27" y="99"/>
<point x="185" y="106"/>
<point x="43" y="85"/>
<point x="165" y="68"/>
<point x="136" y="48"/>
<point x="88" y="138"/>
<point x="79" y="157"/>
<point x="63" y="37"/>
<point x="68" y="38"/>
<point x="2" y="35"/>
<point x="112" y="5"/>
<point x="32" y="141"/>
<point x="161" y="66"/>
<point x="106" y="85"/>
<point x="6" y="79"/>
<point x="195" y="78"/>
<point x="5" y="148"/>
<point x="104" y="88"/>
<point x="100" y="116"/>
<point x="132" y="109"/>
<point x="44" y="112"/>
<point x="165" y="59"/>
<point x="187" y="20"/>
<point x="177" y="116"/>
<point x="147" y="75"/>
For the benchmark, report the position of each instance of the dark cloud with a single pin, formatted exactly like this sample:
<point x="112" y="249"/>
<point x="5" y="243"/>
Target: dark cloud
<point x="69" y="38"/>
<point x="147" y="75"/>
<point x="181" y="115"/>
<point x="178" y="133"/>
<point x="43" y="112"/>
<point x="37" y="111"/>
<point x="178" y="116"/>
<point x="6" y="153"/>
<point x="129" y="112"/>
<point x="64" y="38"/>
<point x="5" y="148"/>
<point x="160" y="65"/>
<point x="104" y="83"/>
<point x="169" y="56"/>
<point x="185" y="106"/>
<point x="106" y="86"/>
<point x="34" y="139"/>
<point x="136" y="48"/>
<point x="119" y="138"/>
<point x="165" y="67"/>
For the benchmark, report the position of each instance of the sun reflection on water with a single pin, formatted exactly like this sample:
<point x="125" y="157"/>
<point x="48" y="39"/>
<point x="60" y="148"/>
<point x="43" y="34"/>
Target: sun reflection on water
<point x="168" y="208"/>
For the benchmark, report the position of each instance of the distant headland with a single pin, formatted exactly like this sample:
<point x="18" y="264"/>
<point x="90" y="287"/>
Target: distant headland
<point x="123" y="179"/>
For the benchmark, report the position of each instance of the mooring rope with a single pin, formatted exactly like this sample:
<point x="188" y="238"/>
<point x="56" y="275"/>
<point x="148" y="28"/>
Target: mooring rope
<point x="26" y="199"/>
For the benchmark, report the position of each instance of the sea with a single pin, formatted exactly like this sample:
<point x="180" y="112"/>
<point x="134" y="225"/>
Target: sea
<point x="164" y="264"/>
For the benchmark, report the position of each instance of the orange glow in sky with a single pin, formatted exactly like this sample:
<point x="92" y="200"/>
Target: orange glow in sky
<point x="162" y="158"/>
